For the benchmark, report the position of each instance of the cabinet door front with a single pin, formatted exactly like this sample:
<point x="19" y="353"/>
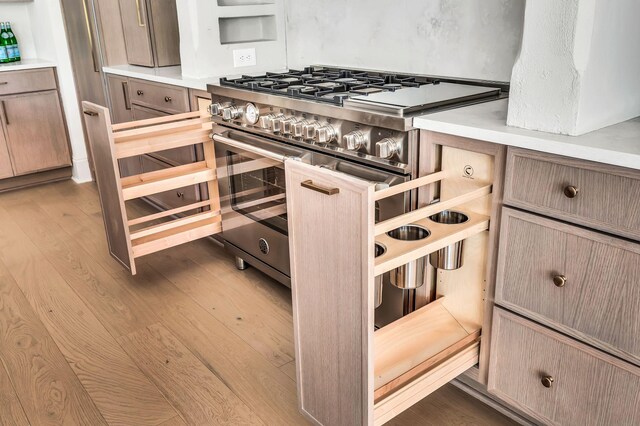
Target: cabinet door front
<point x="37" y="139"/>
<point x="136" y="32"/>
<point x="120" y="101"/>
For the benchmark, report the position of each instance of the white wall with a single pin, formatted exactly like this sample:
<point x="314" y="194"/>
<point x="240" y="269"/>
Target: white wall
<point x="50" y="38"/>
<point x="18" y="15"/>
<point x="461" y="38"/>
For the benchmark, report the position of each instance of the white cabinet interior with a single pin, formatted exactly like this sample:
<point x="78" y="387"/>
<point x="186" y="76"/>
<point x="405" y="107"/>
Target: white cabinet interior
<point x="349" y="373"/>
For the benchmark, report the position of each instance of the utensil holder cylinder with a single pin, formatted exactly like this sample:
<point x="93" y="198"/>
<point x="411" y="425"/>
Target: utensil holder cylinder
<point x="448" y="258"/>
<point x="379" y="251"/>
<point x="410" y="275"/>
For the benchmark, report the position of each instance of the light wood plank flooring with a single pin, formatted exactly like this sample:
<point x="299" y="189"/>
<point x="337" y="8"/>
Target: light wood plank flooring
<point x="188" y="341"/>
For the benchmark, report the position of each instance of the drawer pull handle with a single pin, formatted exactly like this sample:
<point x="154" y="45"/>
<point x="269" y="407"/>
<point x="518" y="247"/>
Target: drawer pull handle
<point x="140" y="92"/>
<point x="2" y="83"/>
<point x="547" y="381"/>
<point x="559" y="280"/>
<point x="321" y="189"/>
<point x="180" y="194"/>
<point x="571" y="191"/>
<point x="167" y="98"/>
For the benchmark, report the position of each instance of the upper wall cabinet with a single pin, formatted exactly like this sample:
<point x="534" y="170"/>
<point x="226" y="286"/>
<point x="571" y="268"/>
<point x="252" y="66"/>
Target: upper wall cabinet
<point x="151" y="32"/>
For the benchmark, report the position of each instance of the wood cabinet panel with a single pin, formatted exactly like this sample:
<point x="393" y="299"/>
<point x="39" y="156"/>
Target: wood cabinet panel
<point x="36" y="133"/>
<point x="607" y="197"/>
<point x="137" y="38"/>
<point x="5" y="162"/>
<point x="120" y="100"/>
<point x="596" y="297"/>
<point x="588" y="388"/>
<point x="27" y="81"/>
<point x="163" y="97"/>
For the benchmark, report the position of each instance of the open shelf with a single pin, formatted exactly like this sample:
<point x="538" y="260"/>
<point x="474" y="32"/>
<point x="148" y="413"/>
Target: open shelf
<point x="248" y="29"/>
<point x="146" y="145"/>
<point x="145" y="184"/>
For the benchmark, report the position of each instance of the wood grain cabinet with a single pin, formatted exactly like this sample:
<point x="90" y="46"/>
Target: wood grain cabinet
<point x="557" y="380"/>
<point x="34" y="145"/>
<point x="348" y="372"/>
<point x="151" y="32"/>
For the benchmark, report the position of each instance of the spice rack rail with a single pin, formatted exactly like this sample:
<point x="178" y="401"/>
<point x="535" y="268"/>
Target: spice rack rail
<point x="132" y="238"/>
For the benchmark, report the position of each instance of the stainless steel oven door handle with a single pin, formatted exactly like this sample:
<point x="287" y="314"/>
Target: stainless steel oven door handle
<point x="249" y="148"/>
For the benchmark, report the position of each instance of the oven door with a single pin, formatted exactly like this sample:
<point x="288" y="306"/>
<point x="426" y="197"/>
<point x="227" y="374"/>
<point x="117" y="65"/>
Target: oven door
<point x="252" y="195"/>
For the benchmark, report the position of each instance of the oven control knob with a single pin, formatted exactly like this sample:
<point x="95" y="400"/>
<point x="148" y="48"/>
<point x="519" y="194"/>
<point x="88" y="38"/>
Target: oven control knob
<point x="387" y="148"/>
<point x="231" y="113"/>
<point x="287" y="125"/>
<point x="215" y="108"/>
<point x="277" y="124"/>
<point x="265" y="121"/>
<point x="298" y="128"/>
<point x="325" y="134"/>
<point x="355" y="140"/>
<point x="309" y="130"/>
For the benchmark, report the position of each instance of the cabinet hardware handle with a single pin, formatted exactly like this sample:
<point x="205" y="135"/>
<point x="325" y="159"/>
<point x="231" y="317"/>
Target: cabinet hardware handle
<point x="90" y="113"/>
<point x="321" y="189"/>
<point x="547" y="381"/>
<point x="4" y="113"/>
<point x="94" y="53"/>
<point x="571" y="191"/>
<point x="140" y="23"/>
<point x="2" y="83"/>
<point x="559" y="280"/>
<point x="140" y="92"/>
<point x="180" y="194"/>
<point x="167" y="98"/>
<point x="125" y="92"/>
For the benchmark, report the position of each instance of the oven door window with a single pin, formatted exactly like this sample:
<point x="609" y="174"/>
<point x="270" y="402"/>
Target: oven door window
<point x="257" y="189"/>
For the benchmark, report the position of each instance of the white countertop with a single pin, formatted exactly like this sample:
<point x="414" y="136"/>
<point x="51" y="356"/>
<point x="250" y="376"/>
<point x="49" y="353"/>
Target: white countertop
<point x="166" y="75"/>
<point x="26" y="64"/>
<point x="617" y="145"/>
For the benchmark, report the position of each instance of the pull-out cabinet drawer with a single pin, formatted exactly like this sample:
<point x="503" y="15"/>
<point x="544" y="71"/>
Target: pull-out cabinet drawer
<point x="580" y="282"/>
<point x="557" y="380"/>
<point x="590" y="194"/>
<point x="348" y="373"/>
<point x="163" y="97"/>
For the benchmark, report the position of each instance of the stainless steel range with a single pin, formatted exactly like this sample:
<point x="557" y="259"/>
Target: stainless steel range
<point x="355" y="121"/>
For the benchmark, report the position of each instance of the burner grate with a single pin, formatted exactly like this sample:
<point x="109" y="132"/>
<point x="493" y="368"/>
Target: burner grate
<point x="332" y="85"/>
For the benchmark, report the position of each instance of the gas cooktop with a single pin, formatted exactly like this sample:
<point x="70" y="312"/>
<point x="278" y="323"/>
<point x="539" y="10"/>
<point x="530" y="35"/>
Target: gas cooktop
<point x="324" y="84"/>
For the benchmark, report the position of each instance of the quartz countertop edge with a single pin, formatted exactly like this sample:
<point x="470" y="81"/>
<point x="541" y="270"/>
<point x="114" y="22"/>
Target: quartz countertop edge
<point x="26" y="64"/>
<point x="617" y="145"/>
<point x="166" y="75"/>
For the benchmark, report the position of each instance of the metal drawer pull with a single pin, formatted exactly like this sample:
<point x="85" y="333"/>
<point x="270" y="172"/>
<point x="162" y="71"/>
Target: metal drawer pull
<point x="571" y="191"/>
<point x="180" y="194"/>
<point x="4" y="112"/>
<point x="140" y="92"/>
<point x="547" y="381"/>
<point x="559" y="280"/>
<point x="90" y="113"/>
<point x="2" y="83"/>
<point x="167" y="98"/>
<point x="327" y="191"/>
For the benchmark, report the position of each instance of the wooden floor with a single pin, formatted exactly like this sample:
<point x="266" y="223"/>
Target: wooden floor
<point x="189" y="340"/>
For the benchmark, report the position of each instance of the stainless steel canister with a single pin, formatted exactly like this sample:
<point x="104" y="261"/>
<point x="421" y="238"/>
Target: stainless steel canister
<point x="379" y="251"/>
<point x="410" y="275"/>
<point x="449" y="257"/>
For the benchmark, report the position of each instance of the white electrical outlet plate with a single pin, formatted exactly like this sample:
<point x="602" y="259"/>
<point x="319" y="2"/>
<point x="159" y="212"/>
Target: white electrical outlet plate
<point x="244" y="57"/>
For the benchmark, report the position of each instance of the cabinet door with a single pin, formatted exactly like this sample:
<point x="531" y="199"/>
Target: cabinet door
<point x="163" y="15"/>
<point x="137" y="37"/>
<point x="120" y="102"/>
<point x="36" y="134"/>
<point x="5" y="163"/>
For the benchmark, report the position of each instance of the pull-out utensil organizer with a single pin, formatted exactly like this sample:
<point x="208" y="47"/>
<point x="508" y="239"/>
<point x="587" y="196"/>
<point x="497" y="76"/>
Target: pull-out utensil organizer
<point x="132" y="238"/>
<point x="347" y="372"/>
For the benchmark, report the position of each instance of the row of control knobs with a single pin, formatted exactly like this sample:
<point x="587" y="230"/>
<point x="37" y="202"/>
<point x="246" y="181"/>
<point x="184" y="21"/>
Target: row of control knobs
<point x="322" y="133"/>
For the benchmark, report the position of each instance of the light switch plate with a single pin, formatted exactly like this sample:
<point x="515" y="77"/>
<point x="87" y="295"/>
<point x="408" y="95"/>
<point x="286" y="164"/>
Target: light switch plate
<point x="244" y="57"/>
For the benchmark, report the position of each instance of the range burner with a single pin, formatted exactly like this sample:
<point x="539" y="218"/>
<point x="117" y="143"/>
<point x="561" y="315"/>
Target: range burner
<point x="331" y="85"/>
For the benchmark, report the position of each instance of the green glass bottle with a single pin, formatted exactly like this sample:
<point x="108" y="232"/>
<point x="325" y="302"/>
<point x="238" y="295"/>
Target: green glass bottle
<point x="5" y="46"/>
<point x="14" y="54"/>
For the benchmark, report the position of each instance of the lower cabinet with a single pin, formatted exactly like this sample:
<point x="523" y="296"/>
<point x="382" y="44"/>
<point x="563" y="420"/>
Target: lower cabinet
<point x="348" y="372"/>
<point x="557" y="380"/>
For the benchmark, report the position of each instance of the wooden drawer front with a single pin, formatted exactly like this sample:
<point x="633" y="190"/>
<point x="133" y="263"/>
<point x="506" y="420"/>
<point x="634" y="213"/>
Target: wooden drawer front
<point x="600" y="300"/>
<point x="27" y="81"/>
<point x="170" y="199"/>
<point x="589" y="387"/>
<point x="170" y="99"/>
<point x="607" y="196"/>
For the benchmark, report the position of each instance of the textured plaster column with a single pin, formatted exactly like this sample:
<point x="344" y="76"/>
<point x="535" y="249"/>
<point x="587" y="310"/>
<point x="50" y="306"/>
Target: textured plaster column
<point x="579" y="66"/>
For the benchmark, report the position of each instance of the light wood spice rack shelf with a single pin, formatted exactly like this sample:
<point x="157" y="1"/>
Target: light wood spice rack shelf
<point x="127" y="239"/>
